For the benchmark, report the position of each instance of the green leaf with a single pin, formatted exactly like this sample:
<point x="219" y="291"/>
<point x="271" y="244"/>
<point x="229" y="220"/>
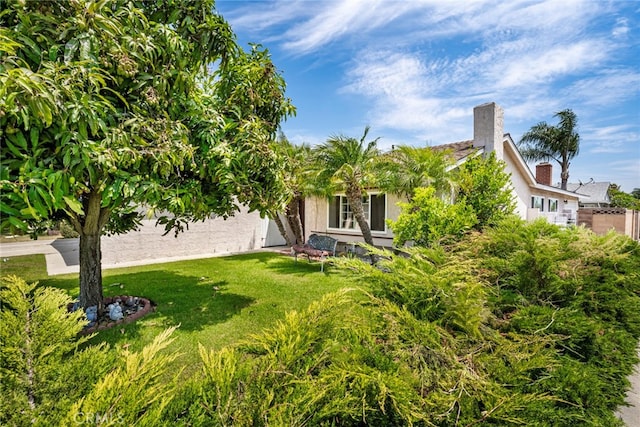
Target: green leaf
<point x="18" y="139"/>
<point x="69" y="50"/>
<point x="17" y="223"/>
<point x="34" y="135"/>
<point x="6" y="209"/>
<point x="29" y="211"/>
<point x="74" y="205"/>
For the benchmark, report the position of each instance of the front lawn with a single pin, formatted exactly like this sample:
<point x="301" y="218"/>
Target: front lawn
<point x="216" y="301"/>
<point x="524" y="324"/>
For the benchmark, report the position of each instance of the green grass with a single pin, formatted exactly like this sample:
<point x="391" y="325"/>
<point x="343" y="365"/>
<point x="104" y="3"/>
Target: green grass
<point x="32" y="268"/>
<point x="216" y="301"/>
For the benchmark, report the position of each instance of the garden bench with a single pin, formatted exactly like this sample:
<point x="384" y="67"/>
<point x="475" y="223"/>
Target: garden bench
<point x="317" y="247"/>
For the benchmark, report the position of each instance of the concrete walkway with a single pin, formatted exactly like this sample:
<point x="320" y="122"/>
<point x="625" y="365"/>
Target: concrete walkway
<point x="62" y="257"/>
<point x="631" y="414"/>
<point x="54" y="255"/>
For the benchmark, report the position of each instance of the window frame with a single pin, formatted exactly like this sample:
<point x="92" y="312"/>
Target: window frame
<point x="537" y="202"/>
<point x="367" y="205"/>
<point x="556" y="204"/>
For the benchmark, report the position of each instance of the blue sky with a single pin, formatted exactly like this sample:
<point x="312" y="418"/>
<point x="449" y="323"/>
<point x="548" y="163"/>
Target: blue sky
<point x="413" y="70"/>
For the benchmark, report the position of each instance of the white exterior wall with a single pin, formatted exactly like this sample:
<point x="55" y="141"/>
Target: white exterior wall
<point x="520" y="188"/>
<point x="524" y="187"/>
<point x="240" y="233"/>
<point x="271" y="234"/>
<point x="567" y="206"/>
<point x="317" y="221"/>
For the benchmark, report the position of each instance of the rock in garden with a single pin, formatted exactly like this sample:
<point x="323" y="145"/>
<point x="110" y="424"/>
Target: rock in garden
<point x="115" y="312"/>
<point x="92" y="313"/>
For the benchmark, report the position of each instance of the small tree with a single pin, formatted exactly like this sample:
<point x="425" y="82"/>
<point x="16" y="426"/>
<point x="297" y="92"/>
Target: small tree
<point x="428" y="220"/>
<point x="547" y="142"/>
<point x="348" y="164"/>
<point x="485" y="187"/>
<point x="123" y="106"/>
<point x="623" y="200"/>
<point x="296" y="176"/>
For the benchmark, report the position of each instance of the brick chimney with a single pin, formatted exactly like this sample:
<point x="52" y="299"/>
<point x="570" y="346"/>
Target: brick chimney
<point x="488" y="128"/>
<point x="544" y="173"/>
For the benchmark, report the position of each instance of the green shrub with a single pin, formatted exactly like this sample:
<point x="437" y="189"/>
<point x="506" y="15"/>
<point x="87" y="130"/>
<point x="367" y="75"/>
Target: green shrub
<point x="428" y="220"/>
<point x="485" y="187"/>
<point x="41" y="371"/>
<point x="337" y="363"/>
<point x="47" y="378"/>
<point x="67" y="231"/>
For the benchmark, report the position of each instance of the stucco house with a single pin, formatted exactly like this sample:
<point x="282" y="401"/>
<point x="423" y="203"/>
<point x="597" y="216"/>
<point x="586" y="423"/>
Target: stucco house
<point x="534" y="195"/>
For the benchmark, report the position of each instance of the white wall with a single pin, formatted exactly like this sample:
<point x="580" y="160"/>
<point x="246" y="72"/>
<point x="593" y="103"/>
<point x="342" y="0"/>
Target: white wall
<point x="240" y="233"/>
<point x="520" y="186"/>
<point x="317" y="220"/>
<point x="272" y="236"/>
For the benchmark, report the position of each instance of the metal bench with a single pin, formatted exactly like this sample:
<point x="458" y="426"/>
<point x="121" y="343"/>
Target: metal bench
<point x="318" y="247"/>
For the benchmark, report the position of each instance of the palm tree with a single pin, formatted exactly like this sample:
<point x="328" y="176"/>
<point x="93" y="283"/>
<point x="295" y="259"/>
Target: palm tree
<point x="297" y="177"/>
<point x="406" y="168"/>
<point x="546" y="142"/>
<point x="347" y="164"/>
<point x="296" y="161"/>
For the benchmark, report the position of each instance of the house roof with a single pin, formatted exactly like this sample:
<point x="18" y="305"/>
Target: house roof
<point x="459" y="150"/>
<point x="464" y="150"/>
<point x="596" y="192"/>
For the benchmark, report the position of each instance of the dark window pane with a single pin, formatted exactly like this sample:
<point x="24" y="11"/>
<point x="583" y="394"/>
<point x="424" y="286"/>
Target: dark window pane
<point x="378" y="212"/>
<point x="334" y="212"/>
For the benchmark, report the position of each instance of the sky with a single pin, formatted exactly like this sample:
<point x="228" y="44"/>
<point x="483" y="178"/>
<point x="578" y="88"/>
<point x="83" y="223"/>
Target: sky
<point x="413" y="70"/>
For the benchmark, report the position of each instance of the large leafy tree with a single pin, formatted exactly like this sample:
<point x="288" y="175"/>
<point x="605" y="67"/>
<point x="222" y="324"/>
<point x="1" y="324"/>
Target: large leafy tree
<point x="560" y="143"/>
<point x="109" y="106"/>
<point x="348" y="164"/>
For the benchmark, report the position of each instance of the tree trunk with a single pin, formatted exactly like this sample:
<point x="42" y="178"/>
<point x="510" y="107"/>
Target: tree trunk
<point x="564" y="177"/>
<point x="293" y="218"/>
<point x="90" y="270"/>
<point x="89" y="225"/>
<point x="282" y="229"/>
<point x="354" y="196"/>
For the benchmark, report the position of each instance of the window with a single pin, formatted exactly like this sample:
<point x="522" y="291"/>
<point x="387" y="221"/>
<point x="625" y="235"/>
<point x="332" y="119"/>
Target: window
<point x="537" y="202"/>
<point x="341" y="216"/>
<point x="553" y="205"/>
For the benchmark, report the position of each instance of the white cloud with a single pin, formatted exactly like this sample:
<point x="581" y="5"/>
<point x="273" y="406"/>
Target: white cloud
<point x="610" y="139"/>
<point x="543" y="64"/>
<point x="408" y="91"/>
<point x="339" y="20"/>
<point x="621" y="29"/>
<point x="607" y="87"/>
<point x="261" y="16"/>
<point x="421" y="66"/>
<point x="628" y="173"/>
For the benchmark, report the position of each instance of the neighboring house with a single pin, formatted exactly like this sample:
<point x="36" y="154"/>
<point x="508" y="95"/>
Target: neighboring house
<point x="597" y="214"/>
<point x="534" y="197"/>
<point x="592" y="194"/>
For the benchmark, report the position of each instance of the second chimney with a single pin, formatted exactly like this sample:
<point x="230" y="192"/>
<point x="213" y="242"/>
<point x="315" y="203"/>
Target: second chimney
<point x="543" y="173"/>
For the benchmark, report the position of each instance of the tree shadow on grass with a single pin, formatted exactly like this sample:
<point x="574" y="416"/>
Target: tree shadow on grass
<point x="194" y="303"/>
